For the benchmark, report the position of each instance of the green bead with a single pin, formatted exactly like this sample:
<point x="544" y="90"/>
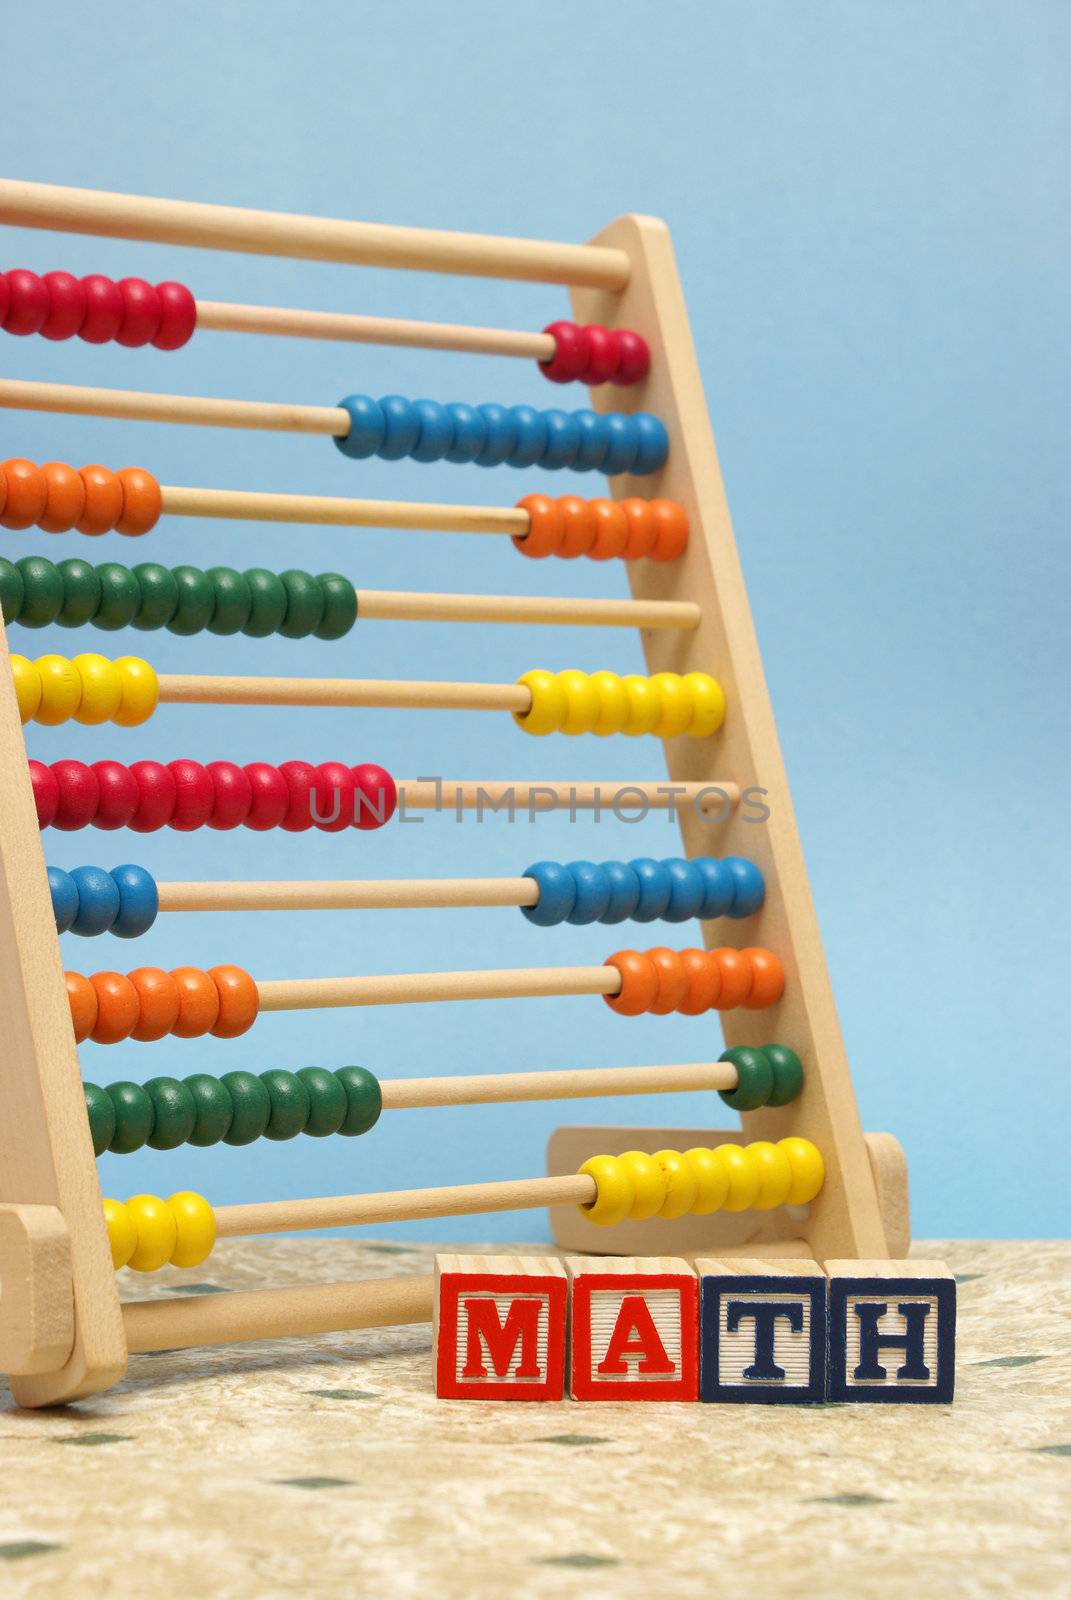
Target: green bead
<point x="120" y="597"/>
<point x="327" y="1102"/>
<point x="756" y="1078"/>
<point x="213" y="1107"/>
<point x="81" y="592"/>
<point x="290" y="1104"/>
<point x="340" y="605"/>
<point x="101" y="1117"/>
<point x="133" y="1118"/>
<point x="268" y="610"/>
<point x="252" y="1107"/>
<point x="364" y="1099"/>
<point x="42" y="591"/>
<point x="304" y="605"/>
<point x="174" y="1111"/>
<point x="11" y="590"/>
<point x="787" y="1074"/>
<point x="234" y="601"/>
<point x="196" y="601"/>
<point x="159" y="595"/>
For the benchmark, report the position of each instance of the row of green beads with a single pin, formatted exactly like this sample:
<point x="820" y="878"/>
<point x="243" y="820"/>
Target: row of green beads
<point x="770" y="1075"/>
<point x="235" y="1109"/>
<point x="185" y="600"/>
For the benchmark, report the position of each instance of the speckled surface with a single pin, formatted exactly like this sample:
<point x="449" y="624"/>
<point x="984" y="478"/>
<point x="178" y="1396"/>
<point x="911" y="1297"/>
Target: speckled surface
<point x="326" y="1468"/>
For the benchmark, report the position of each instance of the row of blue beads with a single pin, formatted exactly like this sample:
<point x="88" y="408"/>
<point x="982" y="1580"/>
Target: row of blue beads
<point x="644" y="891"/>
<point x="90" y="900"/>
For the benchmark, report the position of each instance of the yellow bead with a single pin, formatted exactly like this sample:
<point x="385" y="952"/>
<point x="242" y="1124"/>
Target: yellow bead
<point x="122" y="1232"/>
<point x="675" y="704"/>
<point x="61" y="690"/>
<point x="157" y="1232"/>
<point x="581" y="702"/>
<point x="708" y="704"/>
<point x="643" y="705"/>
<point x="195" y="1222"/>
<point x="682" y="1189"/>
<point x="613" y="703"/>
<point x="547" y="711"/>
<point x="775" y="1174"/>
<point x="141" y="692"/>
<point x="743" y="1174"/>
<point x="711" y="1181"/>
<point x="615" y="1195"/>
<point x="808" y="1170"/>
<point x="27" y="687"/>
<point x="648" y="1183"/>
<point x="102" y="689"/>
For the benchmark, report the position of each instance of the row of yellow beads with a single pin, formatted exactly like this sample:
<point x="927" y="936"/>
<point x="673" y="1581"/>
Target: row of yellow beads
<point x="731" y="1177"/>
<point x="666" y="705"/>
<point x="147" y="1233"/>
<point x="90" y="689"/>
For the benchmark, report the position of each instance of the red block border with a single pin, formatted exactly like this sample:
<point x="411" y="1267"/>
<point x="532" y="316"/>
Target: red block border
<point x="452" y="1286"/>
<point x="686" y="1387"/>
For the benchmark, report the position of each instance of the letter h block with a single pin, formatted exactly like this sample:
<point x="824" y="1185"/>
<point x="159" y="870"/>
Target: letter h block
<point x="762" y="1331"/>
<point x="500" y="1325"/>
<point x="634" y="1329"/>
<point x="892" y="1331"/>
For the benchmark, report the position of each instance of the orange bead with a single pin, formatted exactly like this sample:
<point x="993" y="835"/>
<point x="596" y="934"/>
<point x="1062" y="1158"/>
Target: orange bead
<point x="578" y="527"/>
<point x="544" y="533"/>
<point x="671" y="530"/>
<point x="639" y="983"/>
<point x="198" y="1003"/>
<point x="611" y="530"/>
<point x="141" y="502"/>
<point x="65" y="498"/>
<point x="735" y="971"/>
<point x="104" y="500"/>
<point x="3" y="490"/>
<point x="27" y="492"/>
<point x="83" y="1001"/>
<point x="672" y="980"/>
<point x="158" y="998"/>
<point x="117" y="1007"/>
<point x="767" y="979"/>
<point x="641" y="529"/>
<point x="239" y="1002"/>
<point x="704" y="982"/>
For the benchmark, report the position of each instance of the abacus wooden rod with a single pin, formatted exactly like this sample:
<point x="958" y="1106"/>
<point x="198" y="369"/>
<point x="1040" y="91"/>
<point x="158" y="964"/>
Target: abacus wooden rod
<point x="547" y="794"/>
<point x="140" y="406"/>
<point x="62" y="209"/>
<point x="242" y="505"/>
<point x="399" y="606"/>
<point x="410" y="988"/>
<point x="495" y="1088"/>
<point x="408" y="693"/>
<point x="287" y="322"/>
<point x="419" y="894"/>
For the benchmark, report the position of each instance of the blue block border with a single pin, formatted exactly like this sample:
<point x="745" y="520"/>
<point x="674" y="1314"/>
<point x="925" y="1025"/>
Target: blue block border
<point x="712" y="1289"/>
<point x="943" y="1290"/>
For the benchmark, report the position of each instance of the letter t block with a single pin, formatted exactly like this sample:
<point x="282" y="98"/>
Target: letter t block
<point x="763" y="1331"/>
<point x="892" y="1331"/>
<point x="634" y="1328"/>
<point x="500" y="1326"/>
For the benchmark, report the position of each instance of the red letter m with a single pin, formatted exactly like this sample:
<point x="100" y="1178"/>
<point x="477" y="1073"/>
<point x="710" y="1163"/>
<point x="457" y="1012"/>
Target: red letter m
<point x="500" y="1340"/>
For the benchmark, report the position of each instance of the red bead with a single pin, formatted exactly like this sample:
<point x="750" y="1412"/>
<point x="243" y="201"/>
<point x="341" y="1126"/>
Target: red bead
<point x="66" y="306"/>
<point x="233" y="795"/>
<point x="570" y="356"/>
<point x="119" y="795"/>
<point x="633" y="358"/>
<point x="195" y="796"/>
<point x="27" y="302"/>
<point x="78" y="795"/>
<point x="104" y="309"/>
<point x="156" y="796"/>
<point x="377" y="796"/>
<point x="178" y="316"/>
<point x="271" y="797"/>
<point x="299" y="777"/>
<point x="333" y="790"/>
<point x="142" y="312"/>
<point x="602" y="361"/>
<point x="5" y="298"/>
<point x="45" y="793"/>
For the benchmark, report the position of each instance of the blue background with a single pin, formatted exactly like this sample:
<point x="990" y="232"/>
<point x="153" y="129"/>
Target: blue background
<point x="869" y="203"/>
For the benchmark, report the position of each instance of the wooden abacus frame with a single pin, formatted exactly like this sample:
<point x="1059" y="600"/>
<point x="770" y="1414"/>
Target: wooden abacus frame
<point x="59" y="1293"/>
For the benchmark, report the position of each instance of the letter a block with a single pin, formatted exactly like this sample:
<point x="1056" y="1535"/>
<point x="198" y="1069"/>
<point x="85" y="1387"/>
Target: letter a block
<point x="762" y="1331"/>
<point x="634" y="1329"/>
<point x="892" y="1331"/>
<point x="500" y="1326"/>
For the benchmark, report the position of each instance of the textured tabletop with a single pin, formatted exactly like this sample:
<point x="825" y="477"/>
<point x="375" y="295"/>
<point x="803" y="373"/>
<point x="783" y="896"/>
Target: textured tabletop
<point x="326" y="1468"/>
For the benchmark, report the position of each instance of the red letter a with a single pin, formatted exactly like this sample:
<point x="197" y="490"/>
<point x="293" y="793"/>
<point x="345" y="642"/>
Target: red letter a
<point x="635" y="1334"/>
<point x="501" y="1339"/>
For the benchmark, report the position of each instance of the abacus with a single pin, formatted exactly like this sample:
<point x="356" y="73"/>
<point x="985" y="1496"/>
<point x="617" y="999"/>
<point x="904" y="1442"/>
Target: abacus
<point x="805" y="1183"/>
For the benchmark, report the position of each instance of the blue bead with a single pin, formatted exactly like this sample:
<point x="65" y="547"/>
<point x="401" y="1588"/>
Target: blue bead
<point x="591" y="446"/>
<point x="403" y="427"/>
<point x="500" y="439"/>
<point x="719" y="888"/>
<point x="655" y="890"/>
<point x="138" y="901"/>
<point x="368" y="427"/>
<point x="557" y="892"/>
<point x="686" y="890"/>
<point x="652" y="443"/>
<point x="98" y="900"/>
<point x="620" y="434"/>
<point x="624" y="892"/>
<point x="563" y="439"/>
<point x="469" y="433"/>
<point x="64" y="898"/>
<point x="531" y="432"/>
<point x="592" y="893"/>
<point x="749" y="886"/>
<point x="436" y="431"/>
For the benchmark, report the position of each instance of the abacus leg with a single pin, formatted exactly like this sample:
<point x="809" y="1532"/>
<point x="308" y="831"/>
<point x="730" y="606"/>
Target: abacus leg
<point x="36" y="1291"/>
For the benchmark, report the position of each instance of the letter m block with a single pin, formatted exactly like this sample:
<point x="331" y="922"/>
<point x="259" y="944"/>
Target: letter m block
<point x="500" y="1326"/>
<point x="763" y="1331"/>
<point x="634" y="1328"/>
<point x="892" y="1331"/>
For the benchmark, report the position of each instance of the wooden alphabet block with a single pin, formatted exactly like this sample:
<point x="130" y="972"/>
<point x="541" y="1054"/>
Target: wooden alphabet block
<point x="634" y="1328"/>
<point x="499" y="1327"/>
<point x="762" y="1331"/>
<point x="892" y="1331"/>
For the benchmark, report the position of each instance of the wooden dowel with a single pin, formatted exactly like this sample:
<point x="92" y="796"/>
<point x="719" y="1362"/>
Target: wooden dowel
<point x="388" y="605"/>
<point x="286" y="322"/>
<point x="248" y="505"/>
<point x="278" y="233"/>
<point x="548" y="794"/>
<point x="139" y="406"/>
<point x="406" y="1094"/>
<point x="419" y="894"/>
<point x="395" y="693"/>
<point x="189" y="1320"/>
<point x="409" y="988"/>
